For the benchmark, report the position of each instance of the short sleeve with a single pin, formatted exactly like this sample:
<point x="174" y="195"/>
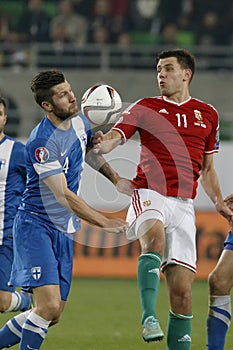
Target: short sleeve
<point x="44" y="156"/>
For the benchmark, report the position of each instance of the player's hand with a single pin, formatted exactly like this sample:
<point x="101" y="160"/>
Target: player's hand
<point x="225" y="208"/>
<point x="97" y="140"/>
<point x="116" y="226"/>
<point x="124" y="186"/>
<point x="229" y="202"/>
<point x="104" y="143"/>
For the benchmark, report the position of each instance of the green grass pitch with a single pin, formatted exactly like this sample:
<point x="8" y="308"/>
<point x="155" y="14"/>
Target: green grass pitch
<point x="104" y="314"/>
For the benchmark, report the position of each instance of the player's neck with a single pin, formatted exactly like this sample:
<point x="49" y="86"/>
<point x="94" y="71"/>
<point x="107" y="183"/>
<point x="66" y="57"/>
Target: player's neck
<point x="2" y="135"/>
<point x="178" y="97"/>
<point x="58" y="123"/>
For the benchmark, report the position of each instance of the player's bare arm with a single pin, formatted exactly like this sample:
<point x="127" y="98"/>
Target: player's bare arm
<point x="105" y="143"/>
<point x="58" y="185"/>
<point x="210" y="183"/>
<point x="97" y="162"/>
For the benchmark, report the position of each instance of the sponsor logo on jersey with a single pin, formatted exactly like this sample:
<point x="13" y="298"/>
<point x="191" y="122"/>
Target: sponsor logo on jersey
<point x="42" y="154"/>
<point x="2" y="163"/>
<point x="164" y="111"/>
<point x="63" y="153"/>
<point x="36" y="272"/>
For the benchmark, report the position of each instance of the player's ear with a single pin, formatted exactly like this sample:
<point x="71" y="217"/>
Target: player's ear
<point x="187" y="74"/>
<point x="47" y="106"/>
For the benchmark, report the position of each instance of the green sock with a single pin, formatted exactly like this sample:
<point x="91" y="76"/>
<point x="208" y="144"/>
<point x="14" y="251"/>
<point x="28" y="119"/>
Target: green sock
<point x="179" y="331"/>
<point x="148" y="282"/>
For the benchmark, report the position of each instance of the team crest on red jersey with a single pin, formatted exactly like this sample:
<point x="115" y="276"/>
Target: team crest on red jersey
<point x="199" y="118"/>
<point x="42" y="154"/>
<point x="198" y="115"/>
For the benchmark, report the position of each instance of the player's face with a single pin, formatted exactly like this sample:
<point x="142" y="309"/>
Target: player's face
<point x="3" y="117"/>
<point x="171" y="76"/>
<point x="64" y="103"/>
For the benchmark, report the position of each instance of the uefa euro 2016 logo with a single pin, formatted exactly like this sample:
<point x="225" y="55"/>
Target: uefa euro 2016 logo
<point x="42" y="154"/>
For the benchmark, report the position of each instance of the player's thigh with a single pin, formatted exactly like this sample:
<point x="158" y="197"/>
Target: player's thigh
<point x="180" y="235"/>
<point x="43" y="256"/>
<point x="146" y="208"/>
<point x="152" y="236"/>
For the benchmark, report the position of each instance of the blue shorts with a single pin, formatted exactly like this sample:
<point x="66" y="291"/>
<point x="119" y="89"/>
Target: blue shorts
<point x="6" y="260"/>
<point x="42" y="255"/>
<point x="228" y="244"/>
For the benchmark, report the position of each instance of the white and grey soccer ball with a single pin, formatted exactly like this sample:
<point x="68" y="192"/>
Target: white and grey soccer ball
<point x="101" y="104"/>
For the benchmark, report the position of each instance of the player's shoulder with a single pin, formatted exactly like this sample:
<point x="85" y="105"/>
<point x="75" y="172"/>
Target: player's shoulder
<point x="80" y="117"/>
<point x="208" y="106"/>
<point x="155" y="99"/>
<point x="42" y="131"/>
<point x="149" y="101"/>
<point x="16" y="143"/>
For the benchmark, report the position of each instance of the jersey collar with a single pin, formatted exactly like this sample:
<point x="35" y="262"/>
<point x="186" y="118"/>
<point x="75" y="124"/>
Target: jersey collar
<point x="176" y="103"/>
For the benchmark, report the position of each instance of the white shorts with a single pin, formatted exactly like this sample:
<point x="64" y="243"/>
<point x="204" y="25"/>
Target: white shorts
<point x="177" y="215"/>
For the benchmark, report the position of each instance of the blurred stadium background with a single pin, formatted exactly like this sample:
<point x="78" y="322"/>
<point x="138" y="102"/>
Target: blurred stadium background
<point x="103" y="310"/>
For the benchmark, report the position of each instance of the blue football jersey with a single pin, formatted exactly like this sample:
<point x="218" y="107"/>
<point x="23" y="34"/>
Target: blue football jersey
<point x="50" y="151"/>
<point x="12" y="184"/>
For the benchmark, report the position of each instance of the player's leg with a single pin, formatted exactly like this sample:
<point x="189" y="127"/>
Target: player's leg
<point x="48" y="308"/>
<point x="43" y="261"/>
<point x="50" y="298"/>
<point x="152" y="241"/>
<point x="219" y="317"/>
<point x="10" y="333"/>
<point x="179" y="283"/>
<point x="179" y="266"/>
<point x="10" y="299"/>
<point x="145" y="216"/>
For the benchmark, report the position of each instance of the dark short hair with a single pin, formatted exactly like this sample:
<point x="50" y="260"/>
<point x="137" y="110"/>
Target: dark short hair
<point x="3" y="102"/>
<point x="184" y="58"/>
<point x="42" y="85"/>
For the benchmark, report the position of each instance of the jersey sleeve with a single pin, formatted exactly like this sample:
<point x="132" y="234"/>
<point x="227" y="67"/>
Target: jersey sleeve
<point x="129" y="121"/>
<point x="212" y="142"/>
<point x="19" y="153"/>
<point x="44" y="156"/>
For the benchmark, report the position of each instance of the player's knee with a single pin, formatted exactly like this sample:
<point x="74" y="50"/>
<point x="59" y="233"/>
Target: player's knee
<point x="50" y="310"/>
<point x="4" y="303"/>
<point x="181" y="300"/>
<point x="218" y="284"/>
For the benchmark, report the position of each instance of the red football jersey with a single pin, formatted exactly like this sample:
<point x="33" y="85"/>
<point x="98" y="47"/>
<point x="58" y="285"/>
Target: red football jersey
<point x="173" y="138"/>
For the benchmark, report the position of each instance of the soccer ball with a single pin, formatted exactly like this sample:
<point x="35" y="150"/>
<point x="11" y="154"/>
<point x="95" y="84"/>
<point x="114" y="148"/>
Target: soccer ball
<point x="101" y="104"/>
